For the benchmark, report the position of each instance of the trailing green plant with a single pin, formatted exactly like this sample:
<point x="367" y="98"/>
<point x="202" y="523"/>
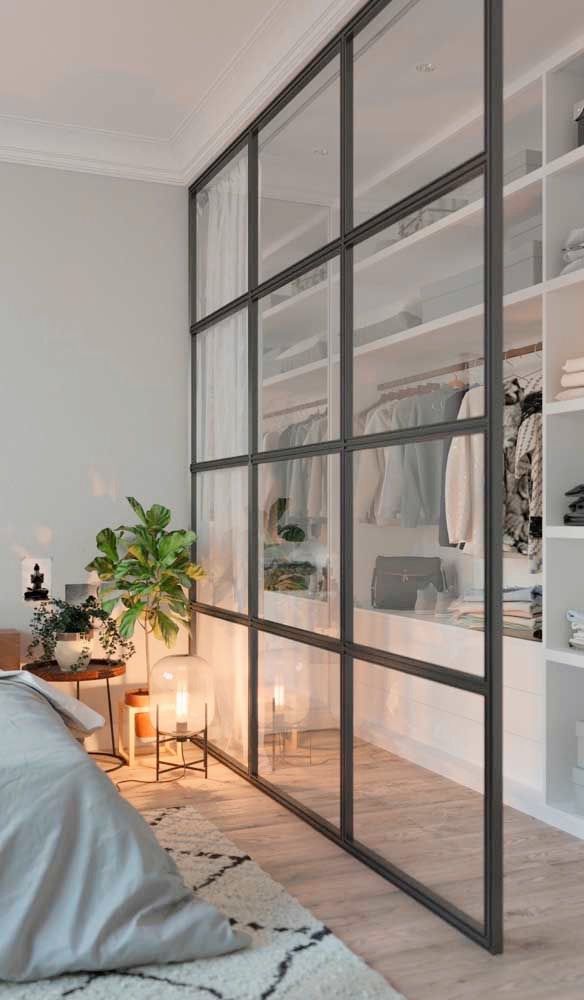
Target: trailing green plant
<point x="55" y="617"/>
<point x="149" y="571"/>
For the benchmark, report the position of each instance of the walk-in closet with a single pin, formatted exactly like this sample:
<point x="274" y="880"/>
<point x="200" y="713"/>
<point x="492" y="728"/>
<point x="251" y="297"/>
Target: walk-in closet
<point x="387" y="272"/>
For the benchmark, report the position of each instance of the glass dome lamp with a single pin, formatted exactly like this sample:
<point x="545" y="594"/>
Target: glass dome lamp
<point x="181" y="695"/>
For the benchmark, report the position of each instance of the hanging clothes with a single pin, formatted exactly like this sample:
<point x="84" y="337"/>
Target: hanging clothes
<point x="465" y="477"/>
<point x="516" y="487"/>
<point x="529" y="460"/>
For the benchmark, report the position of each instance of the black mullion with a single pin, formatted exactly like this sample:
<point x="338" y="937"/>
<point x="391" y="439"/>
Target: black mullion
<point x="298" y="268"/>
<point x="489" y="687"/>
<point x="237" y="146"/>
<point x="346" y="422"/>
<point x="194" y="397"/>
<point x="494" y="216"/>
<point x="377" y="223"/>
<point x="431" y="900"/>
<point x="473" y="683"/>
<point x="443" y="185"/>
<point x="236" y="305"/>
<point x="211" y="464"/>
<point x="322" y="59"/>
<point x="253" y="389"/>
<point x="448" y="676"/>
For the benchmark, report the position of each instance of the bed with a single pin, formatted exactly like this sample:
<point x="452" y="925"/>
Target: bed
<point x="84" y="884"/>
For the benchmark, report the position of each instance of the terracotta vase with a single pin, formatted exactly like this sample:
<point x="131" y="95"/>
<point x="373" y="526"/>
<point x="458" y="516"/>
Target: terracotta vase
<point x="141" y="699"/>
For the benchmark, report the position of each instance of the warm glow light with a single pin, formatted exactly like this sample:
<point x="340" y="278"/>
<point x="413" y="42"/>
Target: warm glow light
<point x="182" y="705"/>
<point x="279" y="695"/>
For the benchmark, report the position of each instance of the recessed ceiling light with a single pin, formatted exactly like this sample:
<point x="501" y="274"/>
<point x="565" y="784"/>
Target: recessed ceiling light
<point x="425" y="67"/>
<point x="320" y="151"/>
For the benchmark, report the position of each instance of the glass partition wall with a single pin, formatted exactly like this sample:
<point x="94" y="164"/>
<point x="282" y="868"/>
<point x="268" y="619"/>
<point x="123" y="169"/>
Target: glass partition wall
<point x="346" y="288"/>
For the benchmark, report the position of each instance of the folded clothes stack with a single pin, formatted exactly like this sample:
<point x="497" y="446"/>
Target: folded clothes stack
<point x="576" y="622"/>
<point x="573" y="252"/>
<point x="573" y="379"/>
<point x="522" y="611"/>
<point x="575" y="513"/>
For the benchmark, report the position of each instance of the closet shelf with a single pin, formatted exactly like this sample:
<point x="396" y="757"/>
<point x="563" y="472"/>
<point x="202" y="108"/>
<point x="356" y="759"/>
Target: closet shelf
<point x="565" y="281"/>
<point x="564" y="406"/>
<point x="566" y="531"/>
<point x="471" y="215"/>
<point x="574" y="160"/>
<point x="565" y="655"/>
<point x="443" y="324"/>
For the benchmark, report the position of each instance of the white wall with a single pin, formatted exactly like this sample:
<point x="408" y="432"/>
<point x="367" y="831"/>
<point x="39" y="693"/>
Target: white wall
<point x="94" y="383"/>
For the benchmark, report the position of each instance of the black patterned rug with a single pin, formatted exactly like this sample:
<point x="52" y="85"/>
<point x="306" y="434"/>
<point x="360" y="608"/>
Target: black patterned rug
<point x="293" y="955"/>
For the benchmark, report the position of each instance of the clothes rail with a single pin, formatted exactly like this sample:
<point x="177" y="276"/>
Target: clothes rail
<point x="297" y="408"/>
<point x="461" y="366"/>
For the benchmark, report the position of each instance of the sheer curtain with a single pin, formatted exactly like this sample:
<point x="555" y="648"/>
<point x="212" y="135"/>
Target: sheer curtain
<point x="221" y="431"/>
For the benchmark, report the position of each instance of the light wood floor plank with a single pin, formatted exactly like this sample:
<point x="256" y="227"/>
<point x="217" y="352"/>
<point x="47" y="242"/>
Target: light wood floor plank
<point x="417" y="952"/>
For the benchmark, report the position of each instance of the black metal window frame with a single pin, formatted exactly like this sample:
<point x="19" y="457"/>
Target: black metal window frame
<point x="489" y="165"/>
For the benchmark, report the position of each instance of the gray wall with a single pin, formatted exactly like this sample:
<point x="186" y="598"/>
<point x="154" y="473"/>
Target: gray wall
<point x="94" y="370"/>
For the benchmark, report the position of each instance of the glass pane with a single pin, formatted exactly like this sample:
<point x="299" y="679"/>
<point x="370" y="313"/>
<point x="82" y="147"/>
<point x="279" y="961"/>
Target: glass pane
<point x="222" y="237"/>
<point x="299" y="173"/>
<point x="299" y="722"/>
<point x="418" y="84"/>
<point x="222" y="530"/>
<point x="224" y="646"/>
<point x="299" y="543"/>
<point x="419" y="780"/>
<point x="221" y="373"/>
<point x="419" y="549"/>
<point x="419" y="313"/>
<point x="299" y="360"/>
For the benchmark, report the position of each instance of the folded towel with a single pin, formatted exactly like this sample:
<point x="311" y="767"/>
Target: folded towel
<point x="575" y="265"/>
<point x="574" y="365"/>
<point x="570" y="393"/>
<point x="572" y="380"/>
<point x="573" y="615"/>
<point x="575" y="237"/>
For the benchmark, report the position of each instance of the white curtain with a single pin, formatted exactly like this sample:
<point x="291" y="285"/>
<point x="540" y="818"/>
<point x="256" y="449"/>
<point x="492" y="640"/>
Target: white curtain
<point x="221" y="431"/>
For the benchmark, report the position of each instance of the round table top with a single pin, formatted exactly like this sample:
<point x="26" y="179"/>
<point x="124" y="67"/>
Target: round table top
<point x="96" y="670"/>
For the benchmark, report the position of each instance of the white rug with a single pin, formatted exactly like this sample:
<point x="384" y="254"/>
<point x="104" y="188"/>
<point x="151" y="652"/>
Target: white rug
<point x="294" y="956"/>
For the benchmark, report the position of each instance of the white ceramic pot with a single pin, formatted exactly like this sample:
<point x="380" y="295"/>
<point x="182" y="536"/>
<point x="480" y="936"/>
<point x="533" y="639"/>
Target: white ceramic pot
<point x="73" y="650"/>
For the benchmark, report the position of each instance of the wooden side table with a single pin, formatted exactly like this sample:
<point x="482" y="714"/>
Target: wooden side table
<point x="96" y="670"/>
<point x="130" y="712"/>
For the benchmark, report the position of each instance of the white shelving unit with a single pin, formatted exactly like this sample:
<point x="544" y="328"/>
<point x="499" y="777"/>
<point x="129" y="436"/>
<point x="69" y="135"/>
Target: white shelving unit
<point x="388" y="277"/>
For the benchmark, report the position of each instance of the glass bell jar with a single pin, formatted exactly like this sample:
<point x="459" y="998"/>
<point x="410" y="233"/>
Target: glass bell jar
<point x="180" y="690"/>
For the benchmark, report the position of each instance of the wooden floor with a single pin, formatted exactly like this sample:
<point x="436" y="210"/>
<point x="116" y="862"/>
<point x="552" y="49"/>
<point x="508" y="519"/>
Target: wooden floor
<point x="435" y="836"/>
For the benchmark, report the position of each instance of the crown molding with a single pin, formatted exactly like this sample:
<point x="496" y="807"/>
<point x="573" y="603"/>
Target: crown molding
<point x="301" y="30"/>
<point x="284" y="41"/>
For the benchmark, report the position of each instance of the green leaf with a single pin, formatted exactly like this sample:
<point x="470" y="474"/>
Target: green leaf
<point x="102" y="566"/>
<point x="107" y="542"/>
<point x="158" y="517"/>
<point x="170" y="586"/>
<point x="139" y="553"/>
<point x="127" y="622"/>
<point x="137" y="508"/>
<point x="165" y="628"/>
<point x="194" y="572"/>
<point x="173" y="543"/>
<point x="109" y="604"/>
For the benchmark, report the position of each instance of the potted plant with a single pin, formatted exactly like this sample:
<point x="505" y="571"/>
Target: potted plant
<point x="67" y="633"/>
<point x="148" y="571"/>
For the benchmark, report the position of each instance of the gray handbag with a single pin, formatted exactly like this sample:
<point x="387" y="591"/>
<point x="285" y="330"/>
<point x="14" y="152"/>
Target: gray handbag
<point x="397" y="579"/>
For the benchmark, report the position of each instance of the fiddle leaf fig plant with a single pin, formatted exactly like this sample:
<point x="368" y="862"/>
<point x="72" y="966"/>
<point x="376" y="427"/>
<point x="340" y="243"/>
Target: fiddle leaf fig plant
<point x="148" y="570"/>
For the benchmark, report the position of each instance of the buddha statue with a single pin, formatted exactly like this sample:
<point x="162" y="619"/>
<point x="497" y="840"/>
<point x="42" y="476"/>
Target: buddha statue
<point x="36" y="592"/>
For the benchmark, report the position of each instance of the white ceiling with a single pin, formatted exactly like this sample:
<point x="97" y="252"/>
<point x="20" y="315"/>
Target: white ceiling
<point x="154" y="89"/>
<point x="150" y="89"/>
<point x="138" y="67"/>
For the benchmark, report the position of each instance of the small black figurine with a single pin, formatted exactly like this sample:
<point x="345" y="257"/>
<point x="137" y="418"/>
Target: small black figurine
<point x="37" y="592"/>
